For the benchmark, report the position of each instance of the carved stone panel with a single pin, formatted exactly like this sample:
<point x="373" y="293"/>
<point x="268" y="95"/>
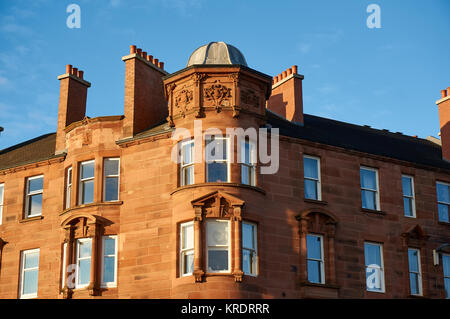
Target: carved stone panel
<point x="217" y="94"/>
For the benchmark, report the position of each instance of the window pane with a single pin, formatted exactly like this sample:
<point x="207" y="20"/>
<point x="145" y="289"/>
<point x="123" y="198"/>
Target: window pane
<point x="108" y="270"/>
<point x="1" y="194"/>
<point x="310" y="168"/>
<point x="111" y="188"/>
<point x="368" y="199"/>
<point x="110" y="246"/>
<point x="188" y="262"/>
<point x="314" y="271"/>
<point x="217" y="260"/>
<point x="88" y="192"/>
<point x="313" y="247"/>
<point x="248" y="236"/>
<point x="87" y="170"/>
<point x="188" y="175"/>
<point x="31" y="260"/>
<point x="249" y="262"/>
<point x="413" y="260"/>
<point x="217" y="172"/>
<point x="188" y="237"/>
<point x="443" y="213"/>
<point x="217" y="233"/>
<point x="446" y="265"/>
<point x="84" y="272"/>
<point x="310" y="189"/>
<point x="216" y="149"/>
<point x="368" y="179"/>
<point x="414" y="283"/>
<point x="188" y="153"/>
<point x="447" y="288"/>
<point x="111" y="167"/>
<point x="372" y="254"/>
<point x="442" y="193"/>
<point x="30" y="282"/>
<point x="84" y="249"/>
<point x="407" y="206"/>
<point x="35" y="204"/>
<point x="373" y="279"/>
<point x="245" y="174"/>
<point x="407" y="187"/>
<point x="35" y="184"/>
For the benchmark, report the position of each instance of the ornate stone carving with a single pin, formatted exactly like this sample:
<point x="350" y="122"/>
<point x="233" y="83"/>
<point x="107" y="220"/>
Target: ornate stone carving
<point x="217" y="93"/>
<point x="182" y="99"/>
<point x="198" y="275"/>
<point x="198" y="77"/>
<point x="238" y="276"/>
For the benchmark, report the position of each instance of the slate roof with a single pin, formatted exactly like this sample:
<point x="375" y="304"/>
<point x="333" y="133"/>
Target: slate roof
<point x="315" y="129"/>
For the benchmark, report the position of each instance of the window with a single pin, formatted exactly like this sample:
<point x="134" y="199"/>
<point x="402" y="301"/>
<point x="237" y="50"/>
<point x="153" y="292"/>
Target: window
<point x="68" y="186"/>
<point x="218" y="245"/>
<point x="248" y="165"/>
<point x="109" y="261"/>
<point x="29" y="272"/>
<point x="409" y="205"/>
<point x="311" y="169"/>
<point x="443" y="198"/>
<point x="249" y="252"/>
<point x="369" y="188"/>
<point x="111" y="182"/>
<point x="33" y="201"/>
<point x="446" y="267"/>
<point x="186" y="248"/>
<point x="64" y="270"/>
<point x="217" y="163"/>
<point x="187" y="163"/>
<point x="83" y="262"/>
<point x="374" y="267"/>
<point x="86" y="189"/>
<point x="415" y="272"/>
<point x="2" y="192"/>
<point x="314" y="257"/>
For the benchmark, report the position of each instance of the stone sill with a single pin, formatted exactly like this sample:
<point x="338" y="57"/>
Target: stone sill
<point x="258" y="189"/>
<point x="373" y="211"/>
<point x="315" y="201"/>
<point x="443" y="223"/>
<point x="97" y="204"/>
<point x="30" y="219"/>
<point x="311" y="284"/>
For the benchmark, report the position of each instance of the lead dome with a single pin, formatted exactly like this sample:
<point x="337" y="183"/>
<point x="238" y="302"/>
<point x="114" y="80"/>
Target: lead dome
<point x="217" y="53"/>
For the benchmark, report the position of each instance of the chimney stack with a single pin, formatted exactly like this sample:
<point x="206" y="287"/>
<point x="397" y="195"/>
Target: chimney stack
<point x="286" y="99"/>
<point x="72" y="103"/>
<point x="145" y="103"/>
<point x="444" y="119"/>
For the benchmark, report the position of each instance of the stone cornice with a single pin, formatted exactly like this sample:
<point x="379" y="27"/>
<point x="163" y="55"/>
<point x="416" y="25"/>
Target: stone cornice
<point x="33" y="164"/>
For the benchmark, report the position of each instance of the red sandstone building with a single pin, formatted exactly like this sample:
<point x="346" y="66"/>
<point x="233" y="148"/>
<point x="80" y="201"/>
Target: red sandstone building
<point x="99" y="210"/>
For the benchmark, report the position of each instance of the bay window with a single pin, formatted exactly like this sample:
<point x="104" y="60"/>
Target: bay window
<point x="249" y="249"/>
<point x="109" y="261"/>
<point x="83" y="262"/>
<point x="218" y="245"/>
<point x="248" y="165"/>
<point x="217" y="159"/>
<point x="33" y="198"/>
<point x="187" y="163"/>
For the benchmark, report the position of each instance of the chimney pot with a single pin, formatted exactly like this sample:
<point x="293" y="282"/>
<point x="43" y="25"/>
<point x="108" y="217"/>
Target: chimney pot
<point x="289" y="71"/>
<point x="80" y="74"/>
<point x="161" y="65"/>
<point x="294" y="69"/>
<point x="284" y="74"/>
<point x="155" y="61"/>
<point x="139" y="51"/>
<point x="443" y="93"/>
<point x="132" y="49"/>
<point x="75" y="71"/>
<point x="448" y="91"/>
<point x="68" y="68"/>
<point x="144" y="54"/>
<point x="150" y="58"/>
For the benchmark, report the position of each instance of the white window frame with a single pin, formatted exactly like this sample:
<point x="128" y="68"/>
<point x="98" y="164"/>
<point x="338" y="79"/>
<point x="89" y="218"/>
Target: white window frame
<point x="82" y="181"/>
<point x="252" y="166"/>
<point x="321" y="260"/>
<point x="383" y="286"/>
<point x="69" y="173"/>
<point x="443" y="273"/>
<point x="29" y="194"/>
<point x="443" y="203"/>
<point x="221" y="247"/>
<point x="377" y="191"/>
<point x="253" y="251"/>
<point x="2" y="186"/>
<point x="64" y="270"/>
<point x="106" y="176"/>
<point x="419" y="273"/>
<point x="318" y="180"/>
<point x="114" y="283"/>
<point x="227" y="160"/>
<point x="185" y="166"/>
<point x="185" y="251"/>
<point x="77" y="262"/>
<point x="412" y="198"/>
<point x="22" y="271"/>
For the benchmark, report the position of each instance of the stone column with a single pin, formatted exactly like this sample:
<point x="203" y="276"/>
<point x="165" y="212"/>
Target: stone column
<point x="238" y="273"/>
<point x="198" y="247"/>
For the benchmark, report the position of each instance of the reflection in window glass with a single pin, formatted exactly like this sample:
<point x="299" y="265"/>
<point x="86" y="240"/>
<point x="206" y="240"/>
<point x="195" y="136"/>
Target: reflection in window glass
<point x="374" y="267"/>
<point x="315" y="264"/>
<point x="217" y="241"/>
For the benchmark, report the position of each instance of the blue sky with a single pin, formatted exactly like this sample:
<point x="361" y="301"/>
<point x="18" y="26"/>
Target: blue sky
<point x="387" y="78"/>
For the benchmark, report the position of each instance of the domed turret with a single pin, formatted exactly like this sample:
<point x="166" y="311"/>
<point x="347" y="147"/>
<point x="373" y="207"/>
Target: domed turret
<point x="217" y="53"/>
